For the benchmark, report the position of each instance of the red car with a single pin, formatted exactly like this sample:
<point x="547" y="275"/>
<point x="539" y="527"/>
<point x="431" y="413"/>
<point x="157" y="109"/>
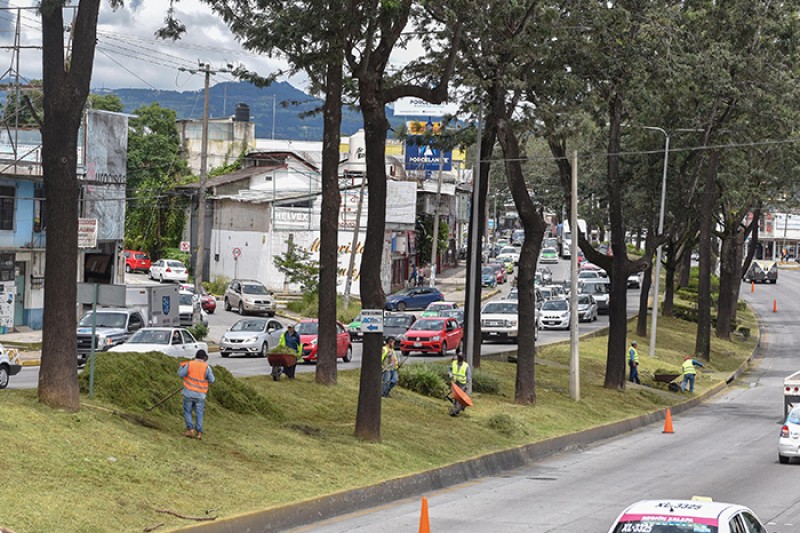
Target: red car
<point x="135" y="260"/>
<point x="432" y="335"/>
<point x="502" y="275"/>
<point x="308" y="330"/>
<point x="207" y="302"/>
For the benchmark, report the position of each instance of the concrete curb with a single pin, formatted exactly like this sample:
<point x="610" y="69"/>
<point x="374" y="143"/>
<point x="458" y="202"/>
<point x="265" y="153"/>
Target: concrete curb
<point x="350" y="501"/>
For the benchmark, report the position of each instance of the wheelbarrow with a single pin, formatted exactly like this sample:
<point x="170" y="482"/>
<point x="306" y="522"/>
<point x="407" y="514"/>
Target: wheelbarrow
<point x="459" y="399"/>
<point x="278" y="361"/>
<point x="669" y="379"/>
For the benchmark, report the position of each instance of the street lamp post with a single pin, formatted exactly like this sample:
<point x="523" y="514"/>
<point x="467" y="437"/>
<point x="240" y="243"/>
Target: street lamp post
<point x="654" y="323"/>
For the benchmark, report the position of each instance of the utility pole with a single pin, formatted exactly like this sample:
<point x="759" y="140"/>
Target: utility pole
<point x="200" y="245"/>
<point x="574" y="356"/>
<point x="354" y="244"/>
<point x="435" y="243"/>
<point x="473" y="282"/>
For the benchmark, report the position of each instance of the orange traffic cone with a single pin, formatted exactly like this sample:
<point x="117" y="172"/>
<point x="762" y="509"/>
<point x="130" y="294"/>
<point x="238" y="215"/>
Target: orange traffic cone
<point x="774" y="306"/>
<point x="752" y="286"/>
<point x="668" y="422"/>
<point x="424" y="521"/>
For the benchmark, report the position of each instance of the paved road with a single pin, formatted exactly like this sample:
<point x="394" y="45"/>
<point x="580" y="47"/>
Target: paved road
<point x="221" y="320"/>
<point x="725" y="449"/>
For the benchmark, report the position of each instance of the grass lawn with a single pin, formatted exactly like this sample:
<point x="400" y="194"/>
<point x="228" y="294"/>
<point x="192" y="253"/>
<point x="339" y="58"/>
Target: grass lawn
<point x="112" y="466"/>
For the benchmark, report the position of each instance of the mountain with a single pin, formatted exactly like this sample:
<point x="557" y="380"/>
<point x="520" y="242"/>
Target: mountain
<point x="294" y="116"/>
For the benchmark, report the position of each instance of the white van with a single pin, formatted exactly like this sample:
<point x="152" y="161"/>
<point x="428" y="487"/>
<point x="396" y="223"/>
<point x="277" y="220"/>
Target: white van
<point x="600" y="289"/>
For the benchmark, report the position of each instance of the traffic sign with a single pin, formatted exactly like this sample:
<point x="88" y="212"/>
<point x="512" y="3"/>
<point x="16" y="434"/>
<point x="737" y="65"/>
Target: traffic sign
<point x="372" y="320"/>
<point x="185" y="246"/>
<point x="237" y="253"/>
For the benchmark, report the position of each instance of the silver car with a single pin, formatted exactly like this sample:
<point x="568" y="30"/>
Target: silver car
<point x="249" y="296"/>
<point x="587" y="308"/>
<point x="251" y="336"/>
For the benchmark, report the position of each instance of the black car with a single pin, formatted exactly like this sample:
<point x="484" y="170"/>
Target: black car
<point x="396" y="324"/>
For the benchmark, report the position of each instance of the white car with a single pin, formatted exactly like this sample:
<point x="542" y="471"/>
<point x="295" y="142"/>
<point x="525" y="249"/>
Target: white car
<point x="554" y="314"/>
<point x="587" y="308"/>
<point x="168" y="270"/>
<point x="599" y="289"/>
<point x="176" y="342"/>
<point x="9" y="364"/>
<point x="510" y="253"/>
<point x="789" y="440"/>
<point x="186" y="302"/>
<point x="251" y="336"/>
<point x="635" y="280"/>
<point x="500" y="320"/>
<point x="682" y="516"/>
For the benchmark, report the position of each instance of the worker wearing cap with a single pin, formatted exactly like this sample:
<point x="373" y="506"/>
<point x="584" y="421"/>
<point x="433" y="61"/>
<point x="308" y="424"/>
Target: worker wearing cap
<point x="633" y="362"/>
<point x="290" y="339"/>
<point x="389" y="366"/>
<point x="460" y="372"/>
<point x="689" y="372"/>
<point x="196" y="374"/>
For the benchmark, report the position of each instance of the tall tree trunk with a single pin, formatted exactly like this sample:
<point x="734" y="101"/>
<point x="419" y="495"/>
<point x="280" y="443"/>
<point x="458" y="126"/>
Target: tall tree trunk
<point x="669" y="279"/>
<point x="644" y="296"/>
<point x="703" y="339"/>
<point x="686" y="268"/>
<point x="744" y="264"/>
<point x="66" y="87"/>
<point x="368" y="415"/>
<point x="729" y="281"/>
<point x="534" y="225"/>
<point x="488" y="140"/>
<point x="617" y="300"/>
<point x="326" y="373"/>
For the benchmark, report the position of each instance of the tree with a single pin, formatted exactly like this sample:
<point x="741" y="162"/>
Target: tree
<point x="298" y="267"/>
<point x="425" y="237"/>
<point x="311" y="35"/>
<point x="66" y="88"/>
<point x="106" y="102"/>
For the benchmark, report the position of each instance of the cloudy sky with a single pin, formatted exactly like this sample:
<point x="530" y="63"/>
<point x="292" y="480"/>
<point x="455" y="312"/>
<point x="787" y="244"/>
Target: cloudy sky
<point x="129" y="55"/>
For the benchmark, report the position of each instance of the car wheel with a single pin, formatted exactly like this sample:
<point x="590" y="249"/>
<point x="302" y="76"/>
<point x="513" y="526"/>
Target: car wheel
<point x="3" y="376"/>
<point x="224" y="354"/>
<point x="271" y="314"/>
<point x="401" y="306"/>
<point x="782" y="459"/>
<point x="264" y="350"/>
<point x="241" y="309"/>
<point x="405" y="353"/>
<point x="128" y="268"/>
<point x="227" y="305"/>
<point x="349" y="355"/>
<point x="444" y="349"/>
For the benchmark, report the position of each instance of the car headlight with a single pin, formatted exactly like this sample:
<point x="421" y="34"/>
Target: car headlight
<point x="224" y="338"/>
<point x="250" y="339"/>
<point x="436" y="338"/>
<point x="108" y="341"/>
<point x="314" y="342"/>
<point x="512" y="323"/>
<point x="400" y="338"/>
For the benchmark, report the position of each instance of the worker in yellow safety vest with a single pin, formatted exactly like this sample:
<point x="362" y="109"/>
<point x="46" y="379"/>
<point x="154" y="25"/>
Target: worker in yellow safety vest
<point x="196" y="374"/>
<point x="460" y="373"/>
<point x="633" y="362"/>
<point x="689" y="372"/>
<point x="389" y="365"/>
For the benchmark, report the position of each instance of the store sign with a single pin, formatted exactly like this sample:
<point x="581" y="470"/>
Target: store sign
<point x="87" y="233"/>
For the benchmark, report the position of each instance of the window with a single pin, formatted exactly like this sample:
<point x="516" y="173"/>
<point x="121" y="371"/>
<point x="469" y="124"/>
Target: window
<point x="135" y="323"/>
<point x="187" y="338"/>
<point x="39" y="211"/>
<point x="7" y="202"/>
<point x="752" y="523"/>
<point x="7" y="267"/>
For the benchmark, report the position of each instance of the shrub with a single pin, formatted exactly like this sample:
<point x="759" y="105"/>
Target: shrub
<point x="504" y="424"/>
<point x="217" y="286"/>
<point x="308" y="306"/>
<point x="424" y="379"/>
<point x="198" y="331"/>
<point x="485" y="383"/>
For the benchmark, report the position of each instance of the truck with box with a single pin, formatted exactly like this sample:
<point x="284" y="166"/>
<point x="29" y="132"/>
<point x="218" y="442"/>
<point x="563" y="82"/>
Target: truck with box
<point x="120" y="311"/>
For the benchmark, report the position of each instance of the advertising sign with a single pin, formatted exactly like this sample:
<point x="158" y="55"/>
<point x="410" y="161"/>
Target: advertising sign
<point x="87" y="233"/>
<point x="426" y="157"/>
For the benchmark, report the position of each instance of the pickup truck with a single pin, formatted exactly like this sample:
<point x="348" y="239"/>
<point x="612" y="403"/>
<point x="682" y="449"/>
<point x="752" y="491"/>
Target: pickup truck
<point x="113" y="326"/>
<point x="9" y="365"/>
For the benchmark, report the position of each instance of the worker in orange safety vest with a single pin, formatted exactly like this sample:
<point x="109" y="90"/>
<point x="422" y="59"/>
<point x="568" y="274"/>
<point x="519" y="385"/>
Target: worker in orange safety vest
<point x="197" y="375"/>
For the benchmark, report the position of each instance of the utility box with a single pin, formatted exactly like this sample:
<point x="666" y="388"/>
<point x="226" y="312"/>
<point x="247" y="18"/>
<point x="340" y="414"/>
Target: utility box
<point x="158" y="303"/>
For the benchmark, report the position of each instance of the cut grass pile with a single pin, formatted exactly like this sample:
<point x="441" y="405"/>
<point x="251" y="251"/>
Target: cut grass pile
<point x="113" y="465"/>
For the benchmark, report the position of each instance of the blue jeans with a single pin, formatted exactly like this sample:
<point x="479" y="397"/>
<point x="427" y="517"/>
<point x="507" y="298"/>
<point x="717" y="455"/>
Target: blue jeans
<point x="199" y="406"/>
<point x="688" y="378"/>
<point x="634" y="373"/>
<point x="390" y="379"/>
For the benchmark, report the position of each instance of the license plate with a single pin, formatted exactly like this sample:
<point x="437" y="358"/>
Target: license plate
<point x="417" y="345"/>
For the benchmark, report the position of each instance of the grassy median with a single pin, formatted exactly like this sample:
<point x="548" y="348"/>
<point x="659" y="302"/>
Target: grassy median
<point x="114" y="465"/>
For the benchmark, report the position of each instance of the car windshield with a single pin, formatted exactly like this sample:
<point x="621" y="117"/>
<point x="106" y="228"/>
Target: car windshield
<point x="661" y="524"/>
<point x="436" y="306"/>
<point x="105" y="320"/>
<point x="546" y="293"/>
<point x="488" y="271"/>
<point x="141" y="256"/>
<point x="548" y="251"/>
<point x="185" y="299"/>
<point x="458" y="314"/>
<point x="588" y="274"/>
<point x="555" y="305"/>
<point x="404" y="292"/>
<point x="595" y="288"/>
<point x="584" y="299"/>
<point x="508" y="250"/>
<point x="249" y="325"/>
<point x="252" y="288"/>
<point x="428" y="325"/>
<point x="150" y="336"/>
<point x="175" y="264"/>
<point x="396" y="321"/>
<point x="307" y="328"/>
<point x="500" y="308"/>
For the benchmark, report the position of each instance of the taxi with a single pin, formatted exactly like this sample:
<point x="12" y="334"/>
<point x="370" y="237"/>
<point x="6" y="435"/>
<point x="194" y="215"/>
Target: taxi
<point x="698" y="515"/>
